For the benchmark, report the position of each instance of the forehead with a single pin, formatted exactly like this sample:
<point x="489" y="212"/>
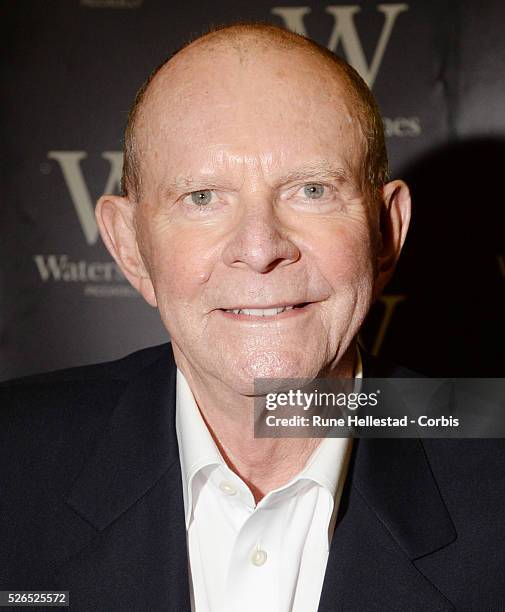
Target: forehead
<point x="286" y="104"/>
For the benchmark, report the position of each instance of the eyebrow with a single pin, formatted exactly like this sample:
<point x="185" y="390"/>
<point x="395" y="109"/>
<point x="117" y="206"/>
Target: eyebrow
<point x="319" y="170"/>
<point x="311" y="171"/>
<point x="188" y="183"/>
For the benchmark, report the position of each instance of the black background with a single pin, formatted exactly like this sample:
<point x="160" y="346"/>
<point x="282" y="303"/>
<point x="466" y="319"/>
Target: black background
<point x="70" y="72"/>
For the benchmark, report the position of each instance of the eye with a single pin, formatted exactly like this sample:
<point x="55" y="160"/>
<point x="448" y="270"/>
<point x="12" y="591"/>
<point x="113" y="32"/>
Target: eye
<point x="201" y="198"/>
<point x="314" y="191"/>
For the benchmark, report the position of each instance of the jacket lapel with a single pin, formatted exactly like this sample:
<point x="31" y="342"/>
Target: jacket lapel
<point x="130" y="492"/>
<point x="138" y="446"/>
<point x="391" y="513"/>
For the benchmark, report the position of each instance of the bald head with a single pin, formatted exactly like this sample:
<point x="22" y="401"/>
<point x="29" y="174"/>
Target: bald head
<point x="246" y="44"/>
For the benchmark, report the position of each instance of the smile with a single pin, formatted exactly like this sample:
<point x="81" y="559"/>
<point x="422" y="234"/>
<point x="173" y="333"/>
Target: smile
<point x="265" y="312"/>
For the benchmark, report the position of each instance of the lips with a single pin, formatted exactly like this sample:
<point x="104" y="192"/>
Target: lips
<point x="269" y="311"/>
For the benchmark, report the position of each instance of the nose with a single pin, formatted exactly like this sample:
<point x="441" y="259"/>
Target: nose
<point x="259" y="241"/>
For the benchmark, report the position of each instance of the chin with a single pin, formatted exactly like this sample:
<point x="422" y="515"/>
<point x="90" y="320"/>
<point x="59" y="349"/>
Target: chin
<point x="269" y="365"/>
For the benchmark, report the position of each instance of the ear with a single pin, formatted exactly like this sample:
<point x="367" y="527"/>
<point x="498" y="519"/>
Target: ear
<point x="394" y="223"/>
<point x="115" y="219"/>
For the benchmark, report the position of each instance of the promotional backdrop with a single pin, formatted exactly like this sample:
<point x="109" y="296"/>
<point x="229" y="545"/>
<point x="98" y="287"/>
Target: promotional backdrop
<point x="70" y="72"/>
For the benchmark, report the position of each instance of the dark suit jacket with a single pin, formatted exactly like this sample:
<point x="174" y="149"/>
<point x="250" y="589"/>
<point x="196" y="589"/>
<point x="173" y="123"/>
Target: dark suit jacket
<point x="91" y="502"/>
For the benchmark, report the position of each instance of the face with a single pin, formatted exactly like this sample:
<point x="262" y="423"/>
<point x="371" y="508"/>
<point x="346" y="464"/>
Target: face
<point x="254" y="230"/>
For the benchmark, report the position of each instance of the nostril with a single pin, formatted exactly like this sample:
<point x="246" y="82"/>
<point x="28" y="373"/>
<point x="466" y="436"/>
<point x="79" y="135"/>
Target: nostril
<point x="272" y="265"/>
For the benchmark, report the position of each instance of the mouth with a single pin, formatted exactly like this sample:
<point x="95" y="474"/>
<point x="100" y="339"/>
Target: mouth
<point x="266" y="312"/>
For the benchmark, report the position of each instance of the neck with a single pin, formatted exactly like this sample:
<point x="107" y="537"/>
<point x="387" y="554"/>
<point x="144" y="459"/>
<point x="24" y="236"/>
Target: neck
<point x="264" y="464"/>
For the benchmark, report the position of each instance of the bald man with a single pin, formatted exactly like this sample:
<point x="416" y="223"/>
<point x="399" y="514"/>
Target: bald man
<point x="257" y="217"/>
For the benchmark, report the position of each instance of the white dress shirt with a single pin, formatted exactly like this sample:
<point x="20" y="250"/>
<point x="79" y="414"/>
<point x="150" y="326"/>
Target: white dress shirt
<point x="248" y="557"/>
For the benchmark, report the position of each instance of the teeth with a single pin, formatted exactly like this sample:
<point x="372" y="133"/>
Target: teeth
<point x="261" y="312"/>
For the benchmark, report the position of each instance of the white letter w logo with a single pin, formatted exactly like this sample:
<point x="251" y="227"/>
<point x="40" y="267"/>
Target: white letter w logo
<point x="344" y="30"/>
<point x="70" y="164"/>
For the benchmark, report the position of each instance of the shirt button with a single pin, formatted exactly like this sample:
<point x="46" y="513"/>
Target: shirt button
<point x="228" y="488"/>
<point x="258" y="557"/>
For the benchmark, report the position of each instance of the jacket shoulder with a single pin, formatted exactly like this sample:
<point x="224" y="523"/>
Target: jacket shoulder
<point x="119" y="369"/>
<point x="48" y="422"/>
<point x="68" y="404"/>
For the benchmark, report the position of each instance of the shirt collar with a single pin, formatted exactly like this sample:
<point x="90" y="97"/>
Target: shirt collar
<point x="196" y="446"/>
<point x="326" y="466"/>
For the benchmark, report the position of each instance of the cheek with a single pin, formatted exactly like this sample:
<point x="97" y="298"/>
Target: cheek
<point x="344" y="255"/>
<point x="181" y="265"/>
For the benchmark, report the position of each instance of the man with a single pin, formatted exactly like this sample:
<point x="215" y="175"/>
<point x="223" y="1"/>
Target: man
<point x="257" y="218"/>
